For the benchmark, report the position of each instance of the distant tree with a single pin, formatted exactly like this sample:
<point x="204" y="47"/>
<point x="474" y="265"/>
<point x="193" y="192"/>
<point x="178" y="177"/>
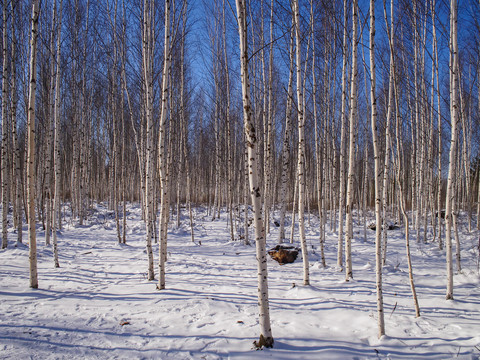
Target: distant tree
<point x="56" y="136"/>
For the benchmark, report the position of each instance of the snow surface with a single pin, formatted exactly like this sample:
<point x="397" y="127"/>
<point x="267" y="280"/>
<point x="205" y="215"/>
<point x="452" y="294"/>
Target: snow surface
<point x="99" y="305"/>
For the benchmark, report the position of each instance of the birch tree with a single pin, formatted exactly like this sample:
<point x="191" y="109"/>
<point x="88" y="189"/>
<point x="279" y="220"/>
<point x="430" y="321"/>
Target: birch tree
<point x="378" y="199"/>
<point x="266" y="338"/>
<point x="301" y="146"/>
<point x="453" y="45"/>
<point x="317" y="139"/>
<point x="351" y="146"/>
<point x="31" y="178"/>
<point x="16" y="145"/>
<point x="4" y="160"/>
<point x="286" y="141"/>
<point x="399" y="147"/>
<point x="57" y="133"/>
<point x="147" y="57"/>
<point x="343" y="135"/>
<point x="162" y="163"/>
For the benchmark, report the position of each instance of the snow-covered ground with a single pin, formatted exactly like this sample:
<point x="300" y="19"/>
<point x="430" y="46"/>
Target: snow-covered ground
<point x="99" y="305"/>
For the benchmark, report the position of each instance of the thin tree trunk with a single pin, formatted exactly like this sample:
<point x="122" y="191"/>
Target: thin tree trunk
<point x="147" y="54"/>
<point x="343" y="134"/>
<point x="378" y="198"/>
<point x="162" y="164"/>
<point x="266" y="338"/>
<point x="16" y="143"/>
<point x="405" y="217"/>
<point x="453" y="145"/>
<point x="387" y="138"/>
<point x="286" y="143"/>
<point x="31" y="178"/>
<point x="301" y="147"/>
<point x="57" y="154"/>
<point x="439" y="121"/>
<point x="4" y="160"/>
<point x="351" y="148"/>
<point x="295" y="192"/>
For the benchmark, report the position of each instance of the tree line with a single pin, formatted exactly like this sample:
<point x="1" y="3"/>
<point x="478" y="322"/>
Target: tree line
<point x="331" y="108"/>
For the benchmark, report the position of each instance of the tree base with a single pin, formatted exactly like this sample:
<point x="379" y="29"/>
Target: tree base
<point x="263" y="342"/>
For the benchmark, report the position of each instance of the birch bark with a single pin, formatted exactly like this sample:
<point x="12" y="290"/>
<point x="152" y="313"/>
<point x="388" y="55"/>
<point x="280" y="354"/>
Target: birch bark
<point x="147" y="55"/>
<point x="343" y="130"/>
<point x="286" y="142"/>
<point x="16" y="143"/>
<point x="56" y="138"/>
<point x="162" y="162"/>
<point x="351" y="147"/>
<point x="266" y="338"/>
<point x="453" y="145"/>
<point x="301" y="146"/>
<point x="4" y="169"/>
<point x="378" y="199"/>
<point x="31" y="178"/>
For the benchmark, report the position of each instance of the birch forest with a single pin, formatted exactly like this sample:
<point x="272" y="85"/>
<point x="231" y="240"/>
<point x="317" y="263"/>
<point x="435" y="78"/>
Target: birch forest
<point x="317" y="124"/>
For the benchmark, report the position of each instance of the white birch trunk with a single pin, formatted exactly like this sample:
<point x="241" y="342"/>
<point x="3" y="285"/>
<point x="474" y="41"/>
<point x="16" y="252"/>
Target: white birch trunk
<point x="229" y="170"/>
<point x="301" y="147"/>
<point x="399" y="176"/>
<point x="439" y="126"/>
<point x="378" y="199"/>
<point x="31" y="178"/>
<point x="56" y="139"/>
<point x="4" y="163"/>
<point x="49" y="132"/>
<point x="162" y="164"/>
<point x="453" y="145"/>
<point x="343" y="134"/>
<point x="266" y="338"/>
<point x="351" y="148"/>
<point x="16" y="143"/>
<point x="147" y="54"/>
<point x="286" y="143"/>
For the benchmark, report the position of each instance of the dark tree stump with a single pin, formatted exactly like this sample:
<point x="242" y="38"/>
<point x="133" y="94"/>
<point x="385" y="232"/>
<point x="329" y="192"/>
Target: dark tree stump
<point x="390" y="226"/>
<point x="284" y="254"/>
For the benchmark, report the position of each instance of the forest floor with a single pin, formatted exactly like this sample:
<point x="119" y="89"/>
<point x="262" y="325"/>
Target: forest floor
<point x="99" y="305"/>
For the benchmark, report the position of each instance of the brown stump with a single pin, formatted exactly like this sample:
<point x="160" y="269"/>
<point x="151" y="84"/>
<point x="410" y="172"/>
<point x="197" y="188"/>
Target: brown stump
<point x="284" y="254"/>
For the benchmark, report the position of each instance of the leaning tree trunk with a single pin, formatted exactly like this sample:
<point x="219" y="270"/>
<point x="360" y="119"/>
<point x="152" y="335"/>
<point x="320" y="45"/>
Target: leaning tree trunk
<point x="266" y="338"/>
